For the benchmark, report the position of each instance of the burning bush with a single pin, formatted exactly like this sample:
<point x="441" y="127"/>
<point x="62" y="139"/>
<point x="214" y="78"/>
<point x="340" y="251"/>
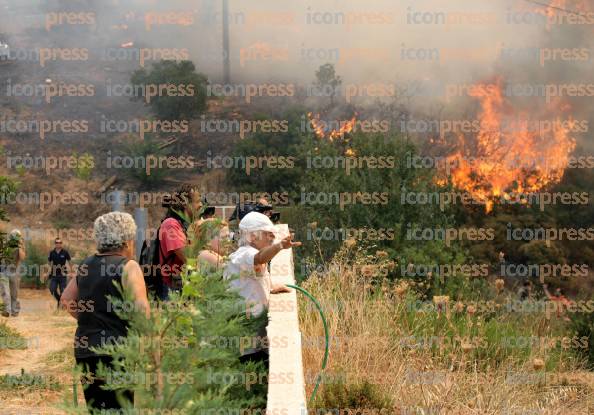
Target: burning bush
<point x="510" y="154"/>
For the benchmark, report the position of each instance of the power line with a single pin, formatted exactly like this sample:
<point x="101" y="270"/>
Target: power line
<point x="555" y="7"/>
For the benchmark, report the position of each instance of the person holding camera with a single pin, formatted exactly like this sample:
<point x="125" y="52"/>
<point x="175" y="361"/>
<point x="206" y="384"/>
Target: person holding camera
<point x="261" y="206"/>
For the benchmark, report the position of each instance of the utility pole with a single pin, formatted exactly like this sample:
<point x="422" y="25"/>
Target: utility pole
<point x="226" y="55"/>
<point x="140" y="217"/>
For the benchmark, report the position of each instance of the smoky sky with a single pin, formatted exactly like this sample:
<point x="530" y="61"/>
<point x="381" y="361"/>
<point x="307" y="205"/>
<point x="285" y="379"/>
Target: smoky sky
<point x="427" y="42"/>
<point x="366" y="41"/>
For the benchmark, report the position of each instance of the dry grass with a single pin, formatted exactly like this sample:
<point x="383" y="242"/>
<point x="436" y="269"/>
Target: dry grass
<point x="367" y="322"/>
<point x="47" y="362"/>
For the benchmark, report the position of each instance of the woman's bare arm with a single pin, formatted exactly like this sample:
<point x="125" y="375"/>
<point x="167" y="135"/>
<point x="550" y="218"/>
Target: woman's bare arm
<point x="212" y="258"/>
<point x="21" y="252"/>
<point x="69" y="298"/>
<point x="133" y="280"/>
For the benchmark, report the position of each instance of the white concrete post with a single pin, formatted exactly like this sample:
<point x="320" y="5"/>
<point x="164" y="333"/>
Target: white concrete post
<point x="287" y="398"/>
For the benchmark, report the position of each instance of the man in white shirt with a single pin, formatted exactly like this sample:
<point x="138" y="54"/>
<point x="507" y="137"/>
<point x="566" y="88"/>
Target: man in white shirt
<point x="250" y="263"/>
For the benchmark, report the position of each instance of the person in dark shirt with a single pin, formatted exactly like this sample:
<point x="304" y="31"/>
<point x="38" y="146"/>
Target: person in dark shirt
<point x="58" y="274"/>
<point x="88" y="298"/>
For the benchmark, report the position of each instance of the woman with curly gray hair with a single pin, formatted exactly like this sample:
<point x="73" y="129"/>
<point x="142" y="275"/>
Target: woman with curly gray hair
<point x="86" y="299"/>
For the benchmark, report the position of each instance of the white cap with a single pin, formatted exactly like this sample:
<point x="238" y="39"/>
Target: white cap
<point x="255" y="221"/>
<point x="15" y="233"/>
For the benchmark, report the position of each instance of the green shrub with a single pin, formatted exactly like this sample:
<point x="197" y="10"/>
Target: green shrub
<point x="34" y="261"/>
<point x="260" y="144"/>
<point x="177" y="73"/>
<point x="583" y="324"/>
<point x="141" y="150"/>
<point x="335" y="397"/>
<point x="10" y="338"/>
<point x="59" y="221"/>
<point x="20" y="169"/>
<point x="85" y="165"/>
<point x="28" y="382"/>
<point x="387" y="217"/>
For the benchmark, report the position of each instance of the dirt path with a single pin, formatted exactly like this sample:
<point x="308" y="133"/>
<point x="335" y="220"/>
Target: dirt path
<point x="49" y="334"/>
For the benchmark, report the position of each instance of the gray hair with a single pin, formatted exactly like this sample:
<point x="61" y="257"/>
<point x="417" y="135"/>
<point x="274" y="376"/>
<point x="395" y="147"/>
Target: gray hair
<point x="244" y="237"/>
<point x="112" y="230"/>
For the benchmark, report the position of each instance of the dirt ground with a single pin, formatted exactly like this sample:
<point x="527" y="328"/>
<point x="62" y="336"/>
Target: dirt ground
<point x="49" y="334"/>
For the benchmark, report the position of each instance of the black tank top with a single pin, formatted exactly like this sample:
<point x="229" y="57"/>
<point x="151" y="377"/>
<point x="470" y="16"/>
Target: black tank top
<point x="98" y="324"/>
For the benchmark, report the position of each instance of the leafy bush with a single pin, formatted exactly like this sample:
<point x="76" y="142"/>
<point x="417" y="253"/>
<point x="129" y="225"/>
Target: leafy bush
<point x="27" y="382"/>
<point x="352" y="397"/>
<point x="21" y="170"/>
<point x="34" y="261"/>
<point x="583" y="324"/>
<point x="10" y="338"/>
<point x="140" y="150"/>
<point x="59" y="221"/>
<point x="85" y="165"/>
<point x="327" y="80"/>
<point x="184" y="105"/>
<point x="388" y="183"/>
<point x="262" y="144"/>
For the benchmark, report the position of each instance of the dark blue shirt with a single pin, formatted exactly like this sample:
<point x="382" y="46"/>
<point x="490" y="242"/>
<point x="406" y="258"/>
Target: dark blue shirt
<point x="58" y="262"/>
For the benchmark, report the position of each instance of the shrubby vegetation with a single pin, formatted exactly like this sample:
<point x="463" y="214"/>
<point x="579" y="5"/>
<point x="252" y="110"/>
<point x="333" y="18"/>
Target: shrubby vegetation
<point x="323" y="227"/>
<point x="183" y="104"/>
<point x="11" y="339"/>
<point x="391" y="343"/>
<point x="36" y="258"/>
<point x="369" y="292"/>
<point x="140" y="151"/>
<point x="269" y="144"/>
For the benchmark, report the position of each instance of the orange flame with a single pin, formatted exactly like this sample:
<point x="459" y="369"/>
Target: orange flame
<point x="317" y="125"/>
<point x="507" y="156"/>
<point x="320" y="128"/>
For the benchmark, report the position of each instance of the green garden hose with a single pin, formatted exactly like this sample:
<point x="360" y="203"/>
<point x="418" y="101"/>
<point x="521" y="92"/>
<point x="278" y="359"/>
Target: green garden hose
<point x="75" y="390"/>
<point x="326" y="352"/>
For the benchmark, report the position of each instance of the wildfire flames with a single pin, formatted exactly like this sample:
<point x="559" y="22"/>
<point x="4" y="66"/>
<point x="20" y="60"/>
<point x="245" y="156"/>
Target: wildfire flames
<point x="322" y="130"/>
<point x="508" y="157"/>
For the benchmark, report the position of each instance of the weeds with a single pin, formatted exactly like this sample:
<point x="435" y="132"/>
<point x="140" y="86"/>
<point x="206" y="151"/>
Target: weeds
<point x="11" y="339"/>
<point x="28" y="382"/>
<point x="448" y="355"/>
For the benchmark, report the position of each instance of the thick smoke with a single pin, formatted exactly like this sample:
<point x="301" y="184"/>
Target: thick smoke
<point x="425" y="48"/>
